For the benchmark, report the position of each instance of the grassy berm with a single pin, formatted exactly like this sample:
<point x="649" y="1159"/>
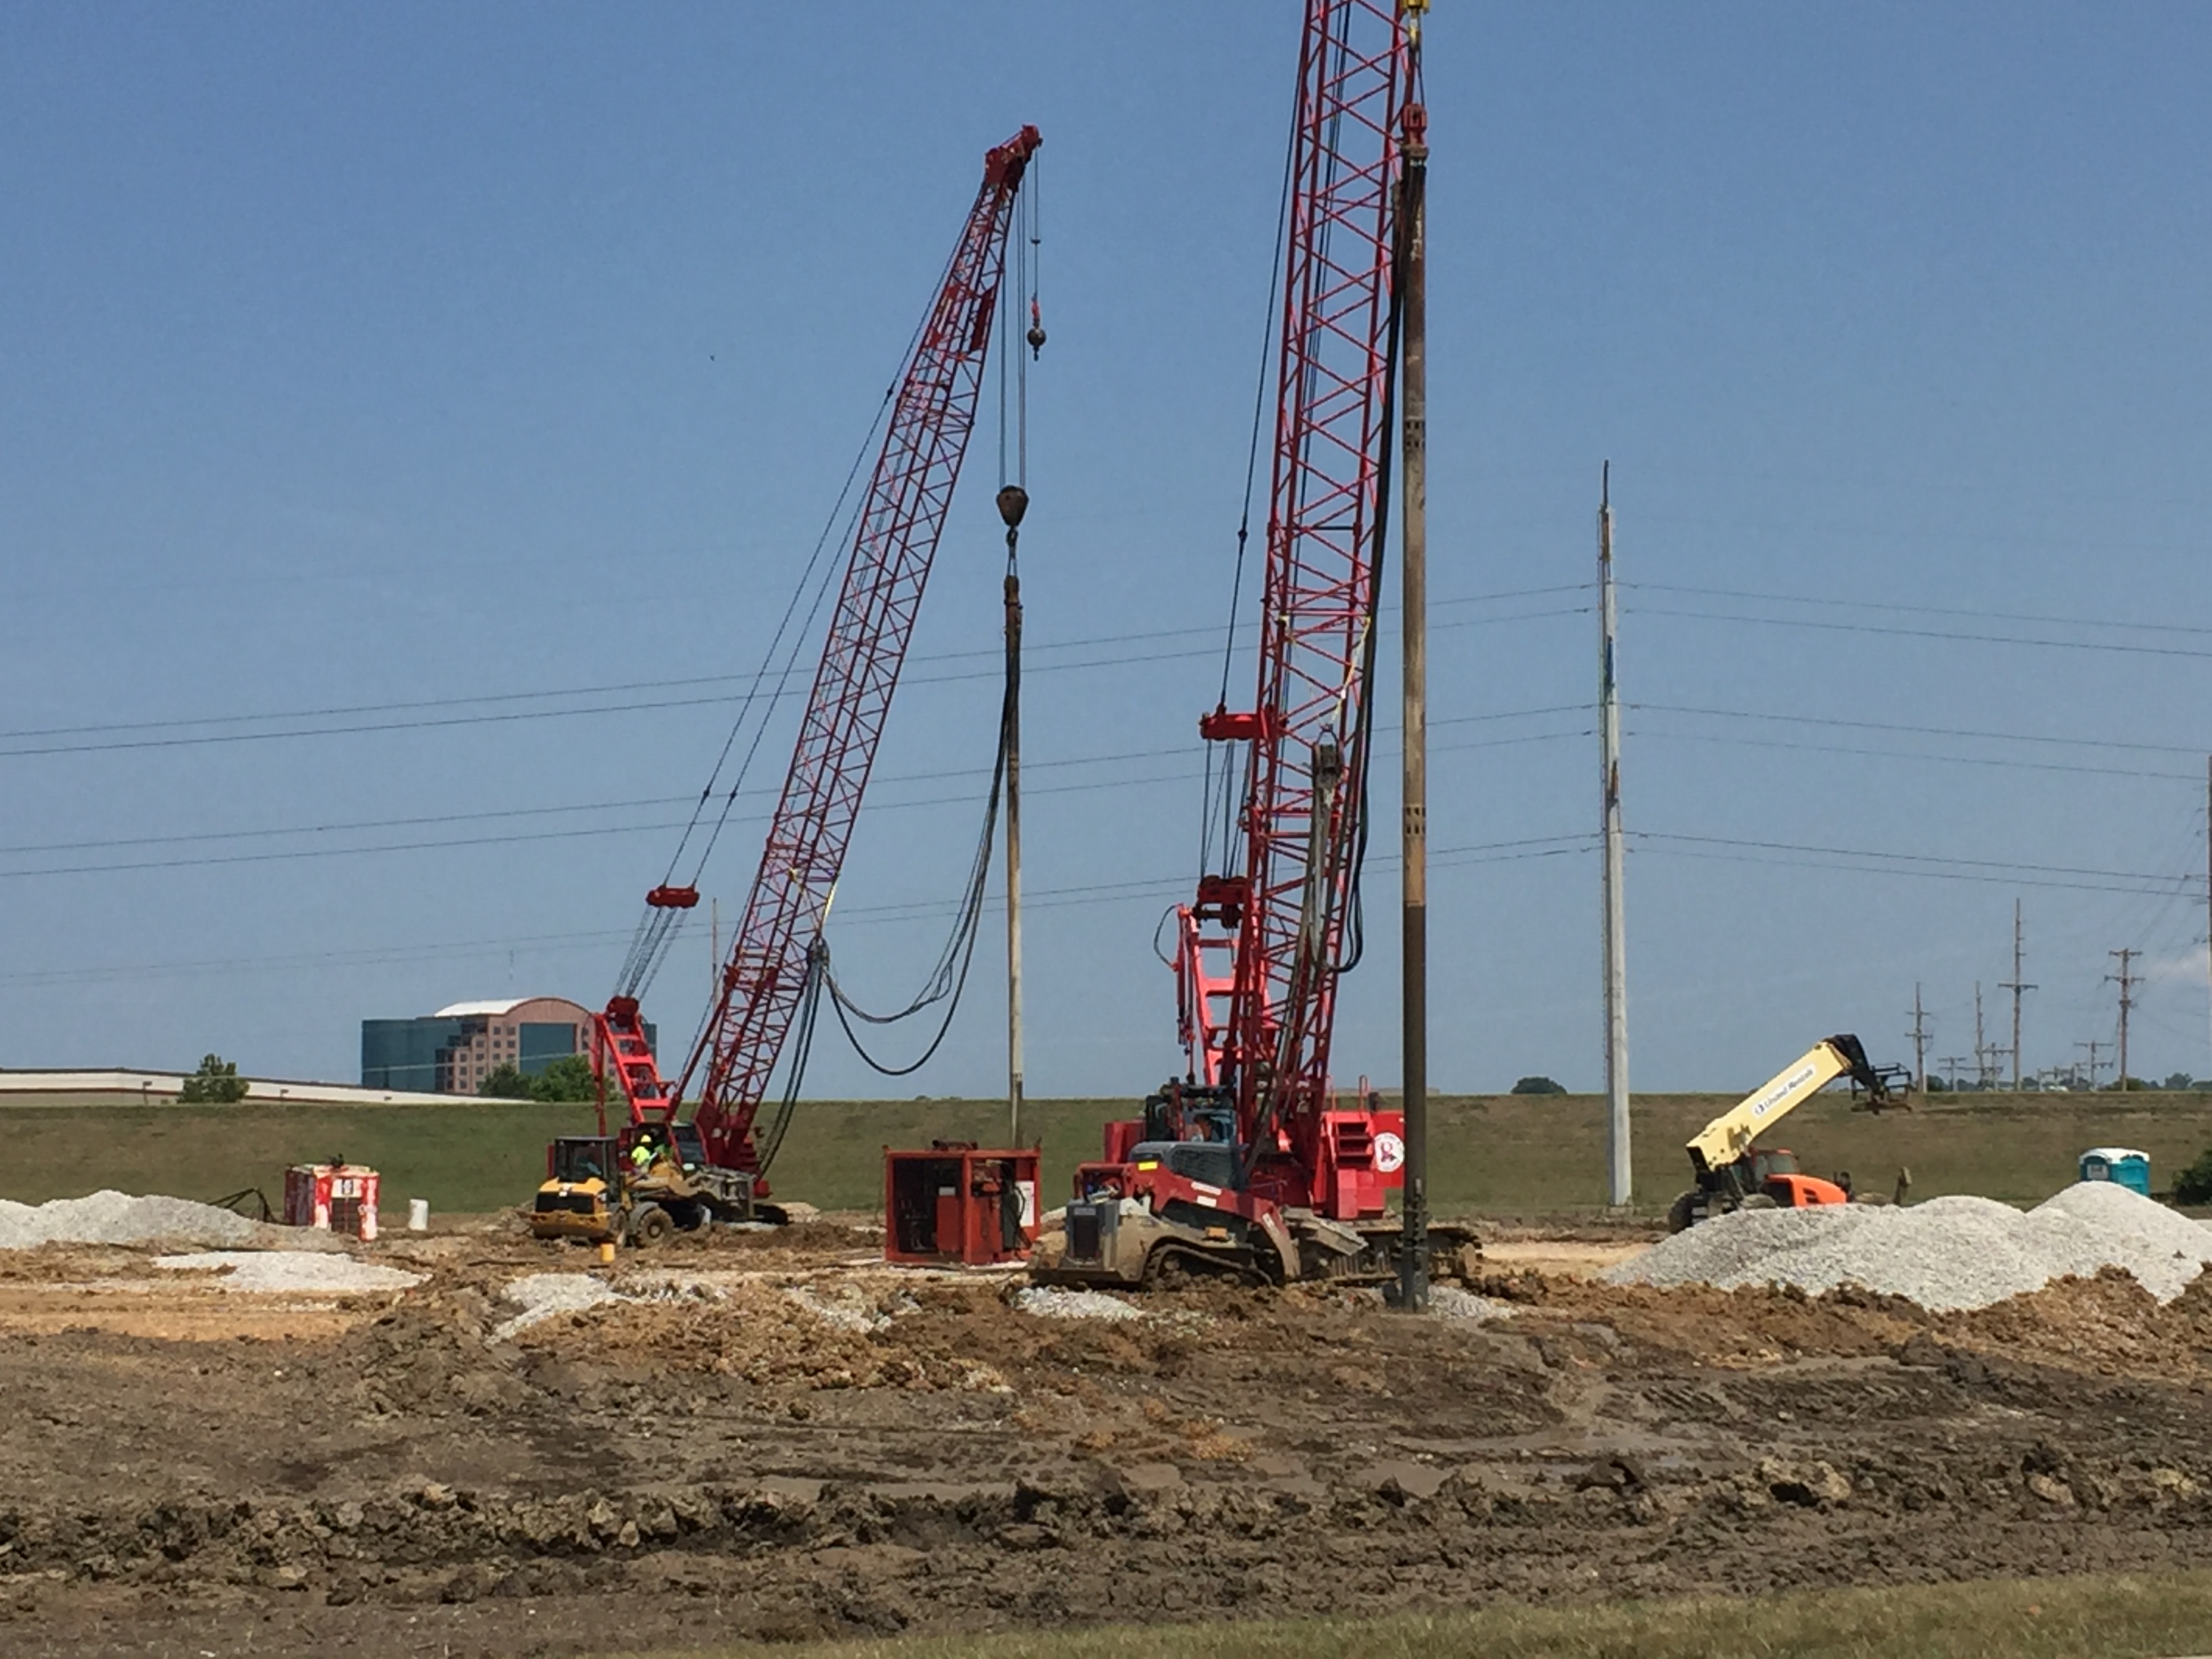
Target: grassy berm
<point x="2111" y="1616"/>
<point x="1505" y="1155"/>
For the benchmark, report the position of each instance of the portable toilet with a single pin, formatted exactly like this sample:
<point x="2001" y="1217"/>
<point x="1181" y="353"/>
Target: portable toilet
<point x="2123" y="1164"/>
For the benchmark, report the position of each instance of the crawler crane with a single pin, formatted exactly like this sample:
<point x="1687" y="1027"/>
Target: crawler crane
<point x="704" y="1161"/>
<point x="1248" y="1164"/>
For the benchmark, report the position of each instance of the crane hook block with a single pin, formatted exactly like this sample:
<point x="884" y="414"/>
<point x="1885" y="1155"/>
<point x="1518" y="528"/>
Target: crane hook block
<point x="673" y="898"/>
<point x="1013" y="503"/>
<point x="1036" y="336"/>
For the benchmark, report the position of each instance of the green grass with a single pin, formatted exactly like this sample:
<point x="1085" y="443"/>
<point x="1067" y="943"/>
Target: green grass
<point x="1507" y="1155"/>
<point x="2113" y="1617"/>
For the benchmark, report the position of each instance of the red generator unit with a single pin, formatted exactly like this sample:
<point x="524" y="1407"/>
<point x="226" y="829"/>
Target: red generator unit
<point x="959" y="1205"/>
<point x="332" y="1198"/>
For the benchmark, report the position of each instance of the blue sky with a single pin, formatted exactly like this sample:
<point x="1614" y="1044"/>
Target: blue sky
<point x="358" y="357"/>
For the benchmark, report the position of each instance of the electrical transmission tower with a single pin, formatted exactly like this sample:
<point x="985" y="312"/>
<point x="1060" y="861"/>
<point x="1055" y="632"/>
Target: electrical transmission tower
<point x="2016" y="986"/>
<point x="2093" y="1046"/>
<point x="1919" y="1035"/>
<point x="2127" y="981"/>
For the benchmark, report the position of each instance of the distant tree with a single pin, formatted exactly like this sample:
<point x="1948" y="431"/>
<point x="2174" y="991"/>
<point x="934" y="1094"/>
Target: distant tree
<point x="1936" y="1086"/>
<point x="1538" y="1086"/>
<point x="2127" y="1083"/>
<point x="506" y="1082"/>
<point x="2178" y="1081"/>
<point x="215" y="1084"/>
<point x="2194" y="1185"/>
<point x="567" y="1079"/>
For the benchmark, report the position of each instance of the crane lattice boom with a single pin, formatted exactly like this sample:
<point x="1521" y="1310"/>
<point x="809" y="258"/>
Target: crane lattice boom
<point x="1263" y="1027"/>
<point x="900" y="520"/>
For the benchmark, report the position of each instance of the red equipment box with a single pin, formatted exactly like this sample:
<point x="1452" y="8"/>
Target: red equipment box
<point x="336" y="1198"/>
<point x="958" y="1203"/>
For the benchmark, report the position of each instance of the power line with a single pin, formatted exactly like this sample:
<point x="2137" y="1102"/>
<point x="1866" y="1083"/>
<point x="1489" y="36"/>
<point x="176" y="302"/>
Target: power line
<point x="2191" y="749"/>
<point x="285" y="855"/>
<point x="1957" y="635"/>
<point x="1088" y="893"/>
<point x="1924" y="610"/>
<point x="183" y="737"/>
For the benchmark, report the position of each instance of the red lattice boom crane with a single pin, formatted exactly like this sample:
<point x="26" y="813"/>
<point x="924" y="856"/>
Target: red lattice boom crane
<point x="1247" y="1163"/>
<point x="900" y="516"/>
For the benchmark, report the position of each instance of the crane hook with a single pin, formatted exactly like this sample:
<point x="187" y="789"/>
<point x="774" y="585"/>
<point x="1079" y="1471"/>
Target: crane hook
<point x="1036" y="336"/>
<point x="1013" y="502"/>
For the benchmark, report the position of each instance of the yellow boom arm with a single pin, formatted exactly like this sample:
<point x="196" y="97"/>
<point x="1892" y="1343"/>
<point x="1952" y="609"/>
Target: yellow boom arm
<point x="1728" y="1136"/>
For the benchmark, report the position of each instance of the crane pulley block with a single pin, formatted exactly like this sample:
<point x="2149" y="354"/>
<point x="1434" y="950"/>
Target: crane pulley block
<point x="1258" y="725"/>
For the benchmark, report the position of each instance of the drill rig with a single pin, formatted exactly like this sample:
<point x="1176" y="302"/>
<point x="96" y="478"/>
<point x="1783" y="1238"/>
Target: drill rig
<point x="1248" y="1164"/>
<point x="709" y="1164"/>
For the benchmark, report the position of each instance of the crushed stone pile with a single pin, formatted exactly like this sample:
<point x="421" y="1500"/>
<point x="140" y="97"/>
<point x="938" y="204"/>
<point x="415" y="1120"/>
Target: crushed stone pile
<point x="543" y="1296"/>
<point x="1048" y="1303"/>
<point x="292" y="1270"/>
<point x="1948" y="1255"/>
<point x="848" y="1307"/>
<point x="1451" y="1302"/>
<point x="112" y="1217"/>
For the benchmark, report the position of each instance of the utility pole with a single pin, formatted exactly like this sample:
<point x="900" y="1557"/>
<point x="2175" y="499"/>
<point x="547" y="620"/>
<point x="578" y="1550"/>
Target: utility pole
<point x="2016" y="986"/>
<point x="1951" y="1063"/>
<point x="2127" y="981"/>
<point x="1620" y="1177"/>
<point x="1919" y="1035"/>
<point x="2208" y="872"/>
<point x="2092" y="1045"/>
<point x="1413" y="529"/>
<point x="1013" y="503"/>
<point x="1983" y="1066"/>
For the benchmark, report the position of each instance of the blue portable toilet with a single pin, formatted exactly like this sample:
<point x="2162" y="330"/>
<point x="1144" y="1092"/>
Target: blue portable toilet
<point x="2124" y="1165"/>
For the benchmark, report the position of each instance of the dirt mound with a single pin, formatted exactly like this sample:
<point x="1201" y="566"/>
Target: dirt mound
<point x="2108" y="1325"/>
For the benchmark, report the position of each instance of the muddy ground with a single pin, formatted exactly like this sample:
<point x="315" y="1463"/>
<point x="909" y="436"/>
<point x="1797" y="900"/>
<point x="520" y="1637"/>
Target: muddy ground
<point x="188" y="1472"/>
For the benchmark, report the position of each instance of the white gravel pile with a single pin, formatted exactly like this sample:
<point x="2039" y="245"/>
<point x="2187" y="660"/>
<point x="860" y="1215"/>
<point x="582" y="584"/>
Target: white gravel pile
<point x="1451" y="1302"/>
<point x="293" y="1270"/>
<point x="1946" y="1254"/>
<point x="110" y="1217"/>
<point x="541" y="1296"/>
<point x="845" y="1307"/>
<point x="1048" y="1302"/>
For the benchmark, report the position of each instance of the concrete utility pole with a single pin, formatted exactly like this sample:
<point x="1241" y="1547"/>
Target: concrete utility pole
<point x="1414" y="527"/>
<point x="1619" y="1175"/>
<point x="2016" y="986"/>
<point x="2127" y="982"/>
<point x="1919" y="1035"/>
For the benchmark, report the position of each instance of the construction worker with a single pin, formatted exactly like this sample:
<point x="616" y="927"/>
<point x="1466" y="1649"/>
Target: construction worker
<point x="641" y="1157"/>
